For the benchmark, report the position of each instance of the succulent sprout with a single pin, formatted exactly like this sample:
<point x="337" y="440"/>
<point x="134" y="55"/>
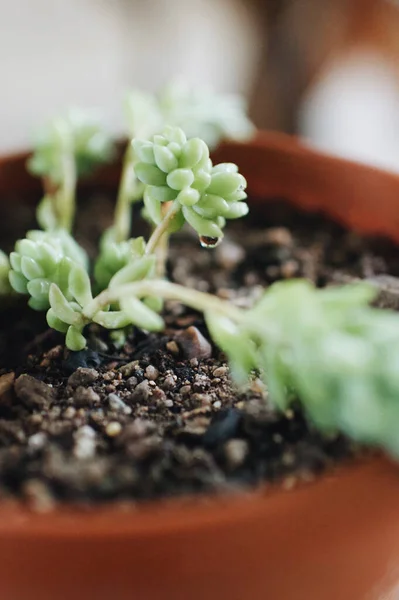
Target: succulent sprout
<point x="41" y="259"/>
<point x="198" y="111"/>
<point x="174" y="168"/>
<point x="115" y="256"/>
<point x="78" y="133"/>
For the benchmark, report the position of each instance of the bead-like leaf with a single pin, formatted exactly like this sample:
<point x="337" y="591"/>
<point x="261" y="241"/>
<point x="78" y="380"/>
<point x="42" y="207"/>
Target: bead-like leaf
<point x="202" y="226"/>
<point x="15" y="261"/>
<point x="180" y="179"/>
<point x="153" y="206"/>
<point x="144" y="151"/>
<point x="149" y="174"/>
<point x="39" y="288"/>
<point x="55" y="322"/>
<point x="224" y="183"/>
<point x="237" y="210"/>
<point x="61" y="307"/>
<point x="79" y="285"/>
<point x="188" y="197"/>
<point x="212" y="206"/>
<point x="30" y="268"/>
<point x="38" y="303"/>
<point x="74" y="340"/>
<point x="114" y="319"/>
<point x="140" y="315"/>
<point x="138" y="269"/>
<point x="165" y="159"/>
<point x="18" y="282"/>
<point x="192" y="152"/>
<point x="161" y="193"/>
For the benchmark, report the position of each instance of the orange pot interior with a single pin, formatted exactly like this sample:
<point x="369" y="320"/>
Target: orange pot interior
<point x="336" y="538"/>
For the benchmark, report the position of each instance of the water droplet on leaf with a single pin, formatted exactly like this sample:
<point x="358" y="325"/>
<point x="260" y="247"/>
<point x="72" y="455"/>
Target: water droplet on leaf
<point x="209" y="242"/>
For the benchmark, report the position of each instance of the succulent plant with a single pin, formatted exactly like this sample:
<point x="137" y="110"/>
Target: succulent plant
<point x="328" y="348"/>
<point x="79" y="134"/>
<point x="41" y="259"/>
<point x="200" y="112"/>
<point x="180" y="170"/>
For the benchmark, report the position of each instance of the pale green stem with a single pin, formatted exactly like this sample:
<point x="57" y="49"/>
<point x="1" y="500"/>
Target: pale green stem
<point x="168" y="291"/>
<point x="161" y="252"/>
<point x="122" y="215"/>
<point x="68" y="191"/>
<point x="162" y="227"/>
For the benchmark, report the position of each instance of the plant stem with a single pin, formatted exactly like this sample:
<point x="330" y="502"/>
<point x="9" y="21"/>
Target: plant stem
<point x="168" y="291"/>
<point x="66" y="211"/>
<point x="162" y="227"/>
<point x="122" y="215"/>
<point x="161" y="252"/>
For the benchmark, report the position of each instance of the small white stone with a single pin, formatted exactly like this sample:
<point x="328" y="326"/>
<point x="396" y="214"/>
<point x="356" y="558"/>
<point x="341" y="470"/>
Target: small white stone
<point x="37" y="440"/>
<point x="113" y="429"/>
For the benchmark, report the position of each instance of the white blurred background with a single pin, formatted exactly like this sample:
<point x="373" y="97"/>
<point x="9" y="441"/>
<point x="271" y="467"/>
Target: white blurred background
<point x="327" y="70"/>
<point x="57" y="53"/>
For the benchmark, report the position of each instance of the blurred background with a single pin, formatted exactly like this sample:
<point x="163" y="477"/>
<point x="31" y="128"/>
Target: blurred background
<point x="327" y="70"/>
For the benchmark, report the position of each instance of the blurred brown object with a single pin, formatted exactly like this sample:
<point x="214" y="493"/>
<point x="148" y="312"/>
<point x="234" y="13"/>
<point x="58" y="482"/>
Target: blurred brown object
<point x="302" y="37"/>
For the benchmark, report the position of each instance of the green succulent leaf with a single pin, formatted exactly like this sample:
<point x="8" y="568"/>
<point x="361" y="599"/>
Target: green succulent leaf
<point x="55" y="323"/>
<point x="140" y="268"/>
<point x="79" y="285"/>
<point x="61" y="307"/>
<point x="115" y="319"/>
<point x="18" y="282"/>
<point x="140" y="314"/>
<point x="204" y="227"/>
<point x="239" y="348"/>
<point x="74" y="340"/>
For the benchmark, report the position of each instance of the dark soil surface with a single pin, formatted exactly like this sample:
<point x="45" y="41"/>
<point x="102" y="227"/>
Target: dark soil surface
<point x="160" y="417"/>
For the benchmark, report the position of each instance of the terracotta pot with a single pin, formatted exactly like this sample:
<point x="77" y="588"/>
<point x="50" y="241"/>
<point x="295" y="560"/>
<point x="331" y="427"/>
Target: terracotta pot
<point x="337" y="538"/>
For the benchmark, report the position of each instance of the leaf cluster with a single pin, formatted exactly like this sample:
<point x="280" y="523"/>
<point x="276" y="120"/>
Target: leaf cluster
<point x="174" y="168"/>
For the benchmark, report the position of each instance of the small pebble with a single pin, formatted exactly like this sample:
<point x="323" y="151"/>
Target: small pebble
<point x="236" y="452"/>
<point x="142" y="392"/>
<point x="217" y="404"/>
<point x="85" y="442"/>
<point x="54" y="353"/>
<point x="169" y="383"/>
<point x="229" y="254"/>
<point x="37" y="440"/>
<point x="132" y="382"/>
<point x="6" y="385"/>
<point x="185" y="389"/>
<point x="128" y="369"/>
<point x="193" y="343"/>
<point x="113" y="429"/>
<point x="85" y="396"/>
<point x="289" y="269"/>
<point x="280" y="236"/>
<point x="33" y="392"/>
<point x="117" y="404"/>
<point x="168" y="403"/>
<point x="151" y="373"/>
<point x="172" y="347"/>
<point x="220" y="371"/>
<point x="70" y="412"/>
<point x="82" y="376"/>
<point x="158" y="394"/>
